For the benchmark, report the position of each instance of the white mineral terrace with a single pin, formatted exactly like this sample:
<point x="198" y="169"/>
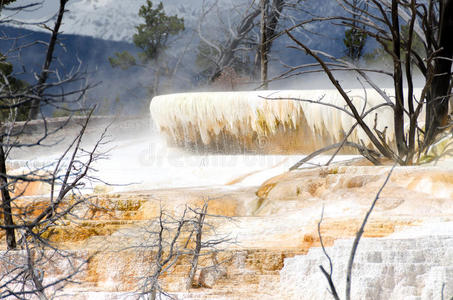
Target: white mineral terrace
<point x="407" y="249"/>
<point x="386" y="268"/>
<point x="300" y="119"/>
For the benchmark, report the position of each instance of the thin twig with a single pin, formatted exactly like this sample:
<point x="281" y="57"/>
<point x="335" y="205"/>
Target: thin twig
<point x="360" y="233"/>
<point x="328" y="276"/>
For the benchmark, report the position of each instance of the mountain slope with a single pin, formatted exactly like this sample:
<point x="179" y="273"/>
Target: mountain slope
<point x="96" y="29"/>
<point x="91" y="53"/>
<point x="104" y="19"/>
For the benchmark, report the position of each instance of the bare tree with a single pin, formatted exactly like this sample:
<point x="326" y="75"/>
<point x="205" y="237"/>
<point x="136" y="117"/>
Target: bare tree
<point x="46" y="68"/>
<point x="221" y="54"/>
<point x="383" y="21"/>
<point x="270" y="16"/>
<point x="32" y="97"/>
<point x="200" y="216"/>
<point x="28" y="227"/>
<point x="170" y="238"/>
<point x="204" y="246"/>
<point x="354" y="247"/>
<point x="438" y="30"/>
<point x="242" y="38"/>
<point x="163" y="236"/>
<point x="23" y="270"/>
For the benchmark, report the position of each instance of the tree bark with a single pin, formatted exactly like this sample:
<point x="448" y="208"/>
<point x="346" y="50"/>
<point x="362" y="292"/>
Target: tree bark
<point x="196" y="254"/>
<point x="34" y="110"/>
<point x="263" y="44"/>
<point x="198" y="245"/>
<point x="6" y="202"/>
<point x="398" y="113"/>
<point x="437" y="106"/>
<point x="267" y="32"/>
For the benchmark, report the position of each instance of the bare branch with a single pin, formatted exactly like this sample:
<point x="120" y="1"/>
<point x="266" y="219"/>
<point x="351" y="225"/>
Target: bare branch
<point x="359" y="235"/>
<point x="326" y="274"/>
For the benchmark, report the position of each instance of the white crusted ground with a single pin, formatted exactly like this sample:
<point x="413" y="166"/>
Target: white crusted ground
<point x="396" y="267"/>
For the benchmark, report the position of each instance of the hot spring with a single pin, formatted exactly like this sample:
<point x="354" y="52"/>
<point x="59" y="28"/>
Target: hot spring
<point x="227" y="139"/>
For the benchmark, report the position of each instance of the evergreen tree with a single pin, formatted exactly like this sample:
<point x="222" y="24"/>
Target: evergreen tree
<point x="153" y="38"/>
<point x="381" y="56"/>
<point x="10" y="82"/>
<point x="13" y="86"/>
<point x="355" y="42"/>
<point x="355" y="37"/>
<point x="5" y="2"/>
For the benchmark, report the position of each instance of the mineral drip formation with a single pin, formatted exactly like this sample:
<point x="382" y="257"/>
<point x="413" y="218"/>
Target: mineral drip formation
<point x="269" y="121"/>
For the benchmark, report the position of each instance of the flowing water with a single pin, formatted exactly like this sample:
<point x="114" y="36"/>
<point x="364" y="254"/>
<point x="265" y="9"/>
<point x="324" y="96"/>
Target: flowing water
<point x="151" y="164"/>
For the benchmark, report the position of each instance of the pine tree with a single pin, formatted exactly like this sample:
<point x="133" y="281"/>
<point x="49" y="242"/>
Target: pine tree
<point x="152" y="37"/>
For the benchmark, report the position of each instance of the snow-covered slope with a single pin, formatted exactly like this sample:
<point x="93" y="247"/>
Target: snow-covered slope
<point x="106" y="19"/>
<point x="116" y="20"/>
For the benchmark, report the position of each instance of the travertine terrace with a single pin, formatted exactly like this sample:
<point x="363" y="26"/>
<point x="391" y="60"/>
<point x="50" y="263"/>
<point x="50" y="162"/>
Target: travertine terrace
<point x="273" y="216"/>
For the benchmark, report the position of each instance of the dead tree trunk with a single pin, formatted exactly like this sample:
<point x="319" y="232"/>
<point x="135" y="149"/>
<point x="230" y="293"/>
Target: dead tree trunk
<point x="437" y="106"/>
<point x="398" y="113"/>
<point x="229" y="50"/>
<point x="34" y="110"/>
<point x="6" y="202"/>
<point x="270" y="17"/>
<point x="198" y="245"/>
<point x="263" y="46"/>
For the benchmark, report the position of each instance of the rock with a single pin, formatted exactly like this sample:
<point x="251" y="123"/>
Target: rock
<point x="210" y="275"/>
